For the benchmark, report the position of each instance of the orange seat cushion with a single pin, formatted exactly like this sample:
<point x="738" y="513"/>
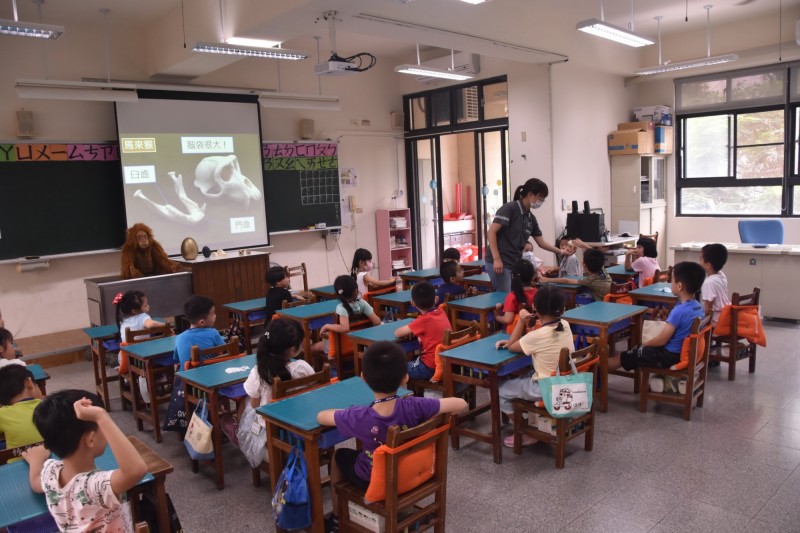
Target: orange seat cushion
<point x="748" y="323"/>
<point x="687" y="344"/>
<point x="414" y="469"/>
<point x="124" y="363"/>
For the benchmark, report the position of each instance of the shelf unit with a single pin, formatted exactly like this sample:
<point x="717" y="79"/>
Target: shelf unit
<point x="638" y="194"/>
<point x="394" y="243"/>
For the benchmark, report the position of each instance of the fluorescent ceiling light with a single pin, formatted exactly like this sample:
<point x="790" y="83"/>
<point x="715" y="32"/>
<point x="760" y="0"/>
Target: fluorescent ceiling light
<point x="257" y="43"/>
<point x="420" y="70"/>
<point x="30" y="29"/>
<point x="474" y="2"/>
<point x="681" y="65"/>
<point x="615" y="33"/>
<point x="77" y="90"/>
<point x="249" y="51"/>
<point x="694" y="63"/>
<point x="299" y="101"/>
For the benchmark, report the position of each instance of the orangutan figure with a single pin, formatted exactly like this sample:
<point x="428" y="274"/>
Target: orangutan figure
<point x="143" y="256"/>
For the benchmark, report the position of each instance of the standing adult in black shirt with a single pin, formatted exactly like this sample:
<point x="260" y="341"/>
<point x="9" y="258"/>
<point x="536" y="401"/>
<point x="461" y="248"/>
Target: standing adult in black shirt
<point x="511" y="228"/>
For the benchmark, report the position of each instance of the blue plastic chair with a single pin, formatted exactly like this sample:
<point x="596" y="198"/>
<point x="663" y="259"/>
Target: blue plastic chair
<point x="761" y="231"/>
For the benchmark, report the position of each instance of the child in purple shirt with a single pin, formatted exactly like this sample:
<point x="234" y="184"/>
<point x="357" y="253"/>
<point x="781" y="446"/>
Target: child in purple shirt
<point x="385" y="371"/>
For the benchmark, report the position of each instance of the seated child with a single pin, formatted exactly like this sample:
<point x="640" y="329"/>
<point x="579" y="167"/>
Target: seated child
<point x="76" y="428"/>
<point x="645" y="263"/>
<point x="17" y="351"/>
<point x="200" y="313"/>
<point x="384" y="371"/>
<point x="597" y="281"/>
<point x="527" y="255"/>
<point x="451" y="255"/>
<point x="664" y="350"/>
<point x="715" y="288"/>
<point x="8" y="355"/>
<point x="568" y="265"/>
<point x="543" y="345"/>
<point x="19" y="396"/>
<point x="350" y="305"/>
<point x="428" y="327"/>
<point x="275" y="357"/>
<point x="521" y="296"/>
<point x="278" y="290"/>
<point x="452" y="277"/>
<point x="132" y="313"/>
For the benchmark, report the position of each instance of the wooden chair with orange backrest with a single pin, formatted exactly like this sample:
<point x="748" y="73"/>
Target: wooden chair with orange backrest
<point x="618" y="293"/>
<point x="691" y="369"/>
<point x="135" y="337"/>
<point x="585" y="360"/>
<point x="450" y="340"/>
<point x="663" y="276"/>
<point x="738" y="332"/>
<point x="300" y="271"/>
<point x="375" y="290"/>
<point x="340" y="347"/>
<point x="409" y="472"/>
<point x="285" y="388"/>
<point x="297" y="303"/>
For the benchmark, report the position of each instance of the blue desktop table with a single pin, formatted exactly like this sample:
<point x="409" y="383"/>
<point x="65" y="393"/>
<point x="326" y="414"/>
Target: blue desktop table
<point x="480" y="364"/>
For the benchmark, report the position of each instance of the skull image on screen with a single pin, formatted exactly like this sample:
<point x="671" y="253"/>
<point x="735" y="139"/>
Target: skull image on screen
<point x="218" y="176"/>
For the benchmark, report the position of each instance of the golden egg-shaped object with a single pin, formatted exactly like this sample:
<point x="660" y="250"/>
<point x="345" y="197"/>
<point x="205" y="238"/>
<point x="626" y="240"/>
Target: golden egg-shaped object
<point x="189" y="249"/>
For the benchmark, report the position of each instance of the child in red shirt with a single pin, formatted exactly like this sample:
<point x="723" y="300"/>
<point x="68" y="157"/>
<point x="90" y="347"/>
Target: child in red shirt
<point x="429" y="328"/>
<point x="521" y="296"/>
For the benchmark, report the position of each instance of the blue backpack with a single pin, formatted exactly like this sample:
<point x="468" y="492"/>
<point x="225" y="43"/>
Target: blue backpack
<point x="291" y="503"/>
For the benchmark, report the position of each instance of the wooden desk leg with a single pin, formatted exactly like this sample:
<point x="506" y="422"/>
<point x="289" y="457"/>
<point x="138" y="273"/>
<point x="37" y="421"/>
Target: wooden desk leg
<point x="216" y="435"/>
<point x="484" y="317"/>
<point x="274" y="455"/>
<point x="447" y="376"/>
<point x="161" y="503"/>
<point x="603" y="340"/>
<point x="314" y="484"/>
<point x="636" y="336"/>
<point x="307" y="343"/>
<point x="151" y="387"/>
<point x="136" y="396"/>
<point x="494" y="398"/>
<point x="247" y="345"/>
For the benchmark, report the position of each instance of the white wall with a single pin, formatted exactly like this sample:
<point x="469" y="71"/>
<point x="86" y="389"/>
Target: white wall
<point x="564" y="117"/>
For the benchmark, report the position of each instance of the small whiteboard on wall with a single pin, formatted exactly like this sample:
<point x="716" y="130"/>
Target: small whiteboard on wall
<point x="301" y="185"/>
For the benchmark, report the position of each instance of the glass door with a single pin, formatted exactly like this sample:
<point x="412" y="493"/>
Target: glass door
<point x="492" y="159"/>
<point x="426" y="200"/>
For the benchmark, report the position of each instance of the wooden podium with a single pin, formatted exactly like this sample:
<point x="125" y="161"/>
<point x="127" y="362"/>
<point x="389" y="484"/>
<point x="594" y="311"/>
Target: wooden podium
<point x="227" y="279"/>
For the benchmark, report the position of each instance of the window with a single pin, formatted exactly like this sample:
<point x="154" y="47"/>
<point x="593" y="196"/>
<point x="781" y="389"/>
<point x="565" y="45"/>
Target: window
<point x="457" y="107"/>
<point x="738" y="143"/>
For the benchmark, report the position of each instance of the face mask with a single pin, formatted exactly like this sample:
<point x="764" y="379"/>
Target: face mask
<point x="537" y="204"/>
<point x="368" y="267"/>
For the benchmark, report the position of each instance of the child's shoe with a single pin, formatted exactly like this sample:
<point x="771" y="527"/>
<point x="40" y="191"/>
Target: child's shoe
<point x="331" y="524"/>
<point x="656" y="384"/>
<point x="527" y="440"/>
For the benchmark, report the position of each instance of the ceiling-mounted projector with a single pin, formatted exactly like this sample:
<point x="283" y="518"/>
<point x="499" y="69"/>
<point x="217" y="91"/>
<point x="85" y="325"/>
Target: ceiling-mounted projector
<point x="334" y="67"/>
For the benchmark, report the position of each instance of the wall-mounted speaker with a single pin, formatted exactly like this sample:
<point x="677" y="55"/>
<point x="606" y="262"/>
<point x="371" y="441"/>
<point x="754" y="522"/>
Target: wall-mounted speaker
<point x="396" y="120"/>
<point x="306" y="128"/>
<point x="24" y="124"/>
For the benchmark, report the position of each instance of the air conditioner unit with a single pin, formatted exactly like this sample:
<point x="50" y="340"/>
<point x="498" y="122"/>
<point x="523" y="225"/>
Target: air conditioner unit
<point x="464" y="62"/>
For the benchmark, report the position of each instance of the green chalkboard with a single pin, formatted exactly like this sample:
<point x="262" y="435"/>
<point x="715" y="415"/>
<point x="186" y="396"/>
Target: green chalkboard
<point x="59" y="199"/>
<point x="301" y="185"/>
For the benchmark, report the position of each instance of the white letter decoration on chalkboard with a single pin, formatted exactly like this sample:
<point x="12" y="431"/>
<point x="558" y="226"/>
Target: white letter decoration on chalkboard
<point x="217" y="175"/>
<point x="194" y="214"/>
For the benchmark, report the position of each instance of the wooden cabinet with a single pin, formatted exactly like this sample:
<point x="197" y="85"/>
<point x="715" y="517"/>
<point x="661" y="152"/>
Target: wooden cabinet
<point x="227" y="279"/>
<point x="639" y="196"/>
<point x="393" y="229"/>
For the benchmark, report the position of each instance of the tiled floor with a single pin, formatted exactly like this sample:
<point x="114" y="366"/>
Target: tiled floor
<point x="734" y="467"/>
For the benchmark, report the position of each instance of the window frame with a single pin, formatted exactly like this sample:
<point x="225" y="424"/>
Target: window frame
<point x="791" y="140"/>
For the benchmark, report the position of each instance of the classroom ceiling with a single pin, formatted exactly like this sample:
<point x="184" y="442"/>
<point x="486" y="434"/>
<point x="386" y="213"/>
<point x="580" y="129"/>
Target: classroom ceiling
<point x="616" y="11"/>
<point x="525" y="29"/>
